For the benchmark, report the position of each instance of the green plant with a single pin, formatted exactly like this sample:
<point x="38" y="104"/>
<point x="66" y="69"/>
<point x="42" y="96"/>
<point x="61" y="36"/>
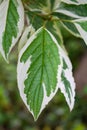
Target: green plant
<point x="43" y="63"/>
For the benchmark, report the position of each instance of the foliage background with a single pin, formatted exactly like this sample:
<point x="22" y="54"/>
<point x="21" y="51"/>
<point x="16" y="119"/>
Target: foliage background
<point x="15" y="116"/>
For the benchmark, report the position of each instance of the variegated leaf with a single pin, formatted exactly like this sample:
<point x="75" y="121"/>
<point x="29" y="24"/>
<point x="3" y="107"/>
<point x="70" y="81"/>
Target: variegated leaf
<point x="11" y="25"/>
<point x="76" y="2"/>
<point x="68" y="24"/>
<point x="54" y="28"/>
<point x="44" y="7"/>
<point x="67" y="85"/>
<point x="74" y="17"/>
<point x="34" y="20"/>
<point x="39" y="11"/>
<point x="39" y="70"/>
<point x="73" y="11"/>
<point x="71" y="28"/>
<point x="82" y="29"/>
<point x="28" y="31"/>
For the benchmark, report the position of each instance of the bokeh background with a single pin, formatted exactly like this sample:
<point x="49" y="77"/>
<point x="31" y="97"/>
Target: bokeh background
<point x="56" y="116"/>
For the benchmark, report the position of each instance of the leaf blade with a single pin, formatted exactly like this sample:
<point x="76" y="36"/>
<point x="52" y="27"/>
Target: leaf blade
<point x="67" y="85"/>
<point x="73" y="17"/>
<point x="82" y="29"/>
<point x="40" y="71"/>
<point x="11" y="25"/>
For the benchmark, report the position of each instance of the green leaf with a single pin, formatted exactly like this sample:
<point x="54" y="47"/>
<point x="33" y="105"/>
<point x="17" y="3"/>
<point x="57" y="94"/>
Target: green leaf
<point x="39" y="70"/>
<point x="67" y="85"/>
<point x="11" y="25"/>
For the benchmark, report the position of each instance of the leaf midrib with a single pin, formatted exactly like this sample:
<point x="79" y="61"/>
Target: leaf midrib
<point x="42" y="58"/>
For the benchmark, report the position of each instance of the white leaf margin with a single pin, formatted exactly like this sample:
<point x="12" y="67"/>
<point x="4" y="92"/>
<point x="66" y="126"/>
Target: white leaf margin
<point x="82" y="32"/>
<point x="22" y="69"/>
<point x="76" y="3"/>
<point x="69" y="13"/>
<point x="75" y="34"/>
<point x="3" y="16"/>
<point x="76" y="22"/>
<point x="29" y="30"/>
<point x="69" y="77"/>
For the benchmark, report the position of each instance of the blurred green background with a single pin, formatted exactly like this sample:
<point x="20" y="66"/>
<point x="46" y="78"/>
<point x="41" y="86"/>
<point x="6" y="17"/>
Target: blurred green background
<point x="56" y="116"/>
